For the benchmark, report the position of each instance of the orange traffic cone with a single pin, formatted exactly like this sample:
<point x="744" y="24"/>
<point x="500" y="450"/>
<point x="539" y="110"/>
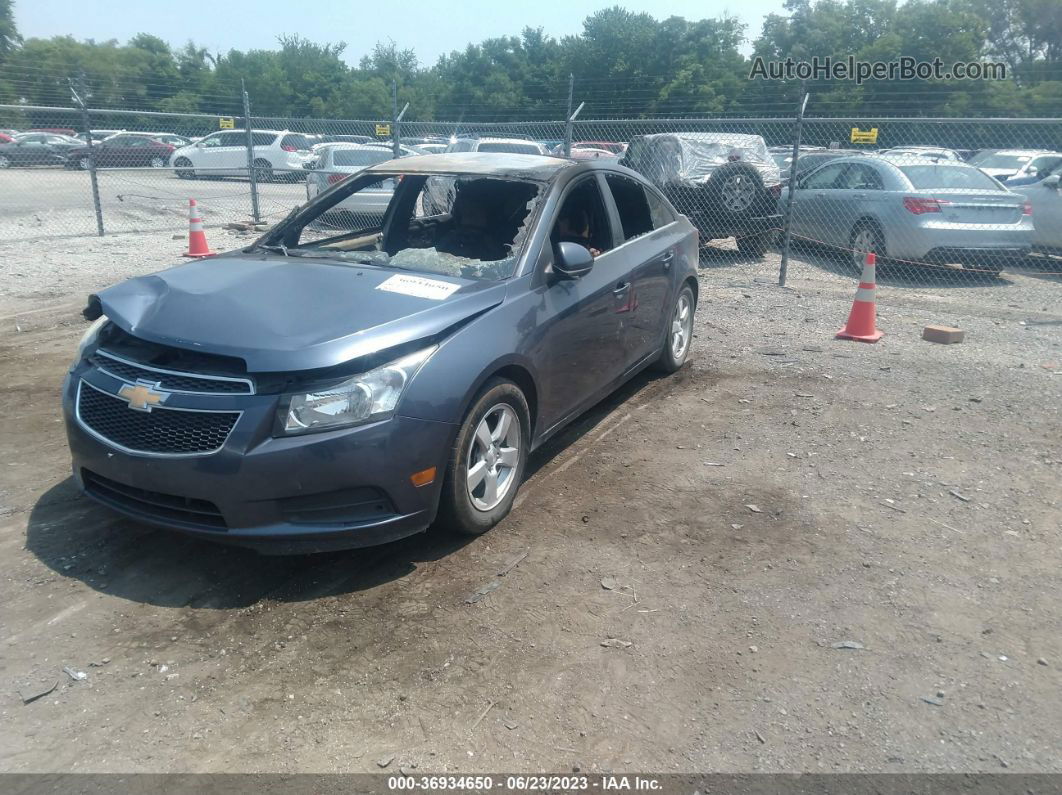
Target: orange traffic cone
<point x="860" y="325"/>
<point x="197" y="242"/>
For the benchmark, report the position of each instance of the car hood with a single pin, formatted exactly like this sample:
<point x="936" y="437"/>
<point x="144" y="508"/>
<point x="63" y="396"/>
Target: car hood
<point x="282" y="314"/>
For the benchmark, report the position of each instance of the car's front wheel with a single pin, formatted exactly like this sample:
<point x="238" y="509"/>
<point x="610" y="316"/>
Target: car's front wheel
<point x="487" y="460"/>
<point x="5" y="162"/>
<point x="84" y="163"/>
<point x="182" y="167"/>
<point x="158" y="162"/>
<point x="679" y="332"/>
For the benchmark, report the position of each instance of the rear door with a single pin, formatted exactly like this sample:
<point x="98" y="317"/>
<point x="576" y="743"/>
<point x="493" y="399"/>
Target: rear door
<point x="648" y="251"/>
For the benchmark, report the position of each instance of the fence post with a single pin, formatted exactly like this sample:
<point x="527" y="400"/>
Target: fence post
<point x="790" y="196"/>
<point x="256" y="214"/>
<point x="568" y="116"/>
<point x="568" y="127"/>
<point x="92" y="159"/>
<point x="396" y="145"/>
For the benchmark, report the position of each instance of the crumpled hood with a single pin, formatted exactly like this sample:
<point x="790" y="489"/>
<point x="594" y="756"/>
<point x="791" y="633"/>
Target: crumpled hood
<point x="283" y="314"/>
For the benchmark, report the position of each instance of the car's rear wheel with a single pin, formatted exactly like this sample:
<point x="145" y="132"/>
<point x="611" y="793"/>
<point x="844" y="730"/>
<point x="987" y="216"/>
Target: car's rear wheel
<point x="866" y="238"/>
<point x="182" y="167"/>
<point x="679" y="332"/>
<point x="487" y="460"/>
<point x="84" y="163"/>
<point x="5" y="162"/>
<point x="263" y="171"/>
<point x="158" y="162"/>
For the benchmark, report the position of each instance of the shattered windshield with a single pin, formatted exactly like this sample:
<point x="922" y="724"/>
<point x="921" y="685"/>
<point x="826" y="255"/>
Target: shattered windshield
<point x="467" y="226"/>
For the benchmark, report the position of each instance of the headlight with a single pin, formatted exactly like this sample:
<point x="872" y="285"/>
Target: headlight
<point x="363" y="398"/>
<point x="88" y="339"/>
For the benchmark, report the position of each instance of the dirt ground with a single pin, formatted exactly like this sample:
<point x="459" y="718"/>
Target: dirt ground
<point x="676" y="586"/>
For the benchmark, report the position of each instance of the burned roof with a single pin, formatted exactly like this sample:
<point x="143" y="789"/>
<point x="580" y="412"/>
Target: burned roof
<point x="534" y="167"/>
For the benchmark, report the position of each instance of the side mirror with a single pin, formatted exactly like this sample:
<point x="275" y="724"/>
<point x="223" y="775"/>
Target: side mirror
<point x="1052" y="181"/>
<point x="572" y="261"/>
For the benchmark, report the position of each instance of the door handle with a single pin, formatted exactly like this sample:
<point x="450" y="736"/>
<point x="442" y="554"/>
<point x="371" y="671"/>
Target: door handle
<point x="667" y="258"/>
<point x="621" y="288"/>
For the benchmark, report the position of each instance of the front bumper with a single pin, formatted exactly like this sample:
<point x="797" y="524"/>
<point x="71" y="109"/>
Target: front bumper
<point x="316" y="492"/>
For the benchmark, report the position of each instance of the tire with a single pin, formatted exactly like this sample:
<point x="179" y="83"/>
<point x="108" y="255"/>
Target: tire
<point x="734" y="190"/>
<point x="158" y="162"/>
<point x="84" y="163"/>
<point x="182" y="167"/>
<point x="263" y="171"/>
<point x="679" y="332"/>
<point x="756" y="245"/>
<point x="866" y="236"/>
<point x="475" y="511"/>
<point x="5" y="162"/>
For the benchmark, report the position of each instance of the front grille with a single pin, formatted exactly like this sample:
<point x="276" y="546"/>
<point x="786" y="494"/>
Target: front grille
<point x="162" y="431"/>
<point x="164" y="507"/>
<point x="168" y="380"/>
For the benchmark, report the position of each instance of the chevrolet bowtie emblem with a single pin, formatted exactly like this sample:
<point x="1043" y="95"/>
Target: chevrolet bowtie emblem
<point x="142" y="395"/>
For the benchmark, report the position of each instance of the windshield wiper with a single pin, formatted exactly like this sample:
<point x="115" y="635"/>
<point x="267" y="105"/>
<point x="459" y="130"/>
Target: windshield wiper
<point x="279" y="247"/>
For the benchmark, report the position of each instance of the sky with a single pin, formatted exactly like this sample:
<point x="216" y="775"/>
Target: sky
<point x="429" y="29"/>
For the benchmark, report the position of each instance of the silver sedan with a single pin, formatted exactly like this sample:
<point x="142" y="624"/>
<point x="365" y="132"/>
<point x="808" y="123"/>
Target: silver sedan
<point x="908" y="209"/>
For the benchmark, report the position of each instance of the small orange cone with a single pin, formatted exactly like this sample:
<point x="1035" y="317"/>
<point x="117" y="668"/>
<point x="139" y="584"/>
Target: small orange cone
<point x="861" y="320"/>
<point x="197" y="242"/>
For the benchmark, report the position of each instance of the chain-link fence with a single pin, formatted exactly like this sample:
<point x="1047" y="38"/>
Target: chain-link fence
<point x="932" y="198"/>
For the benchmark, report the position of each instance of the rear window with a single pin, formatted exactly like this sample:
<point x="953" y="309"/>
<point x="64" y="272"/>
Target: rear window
<point x="359" y="157"/>
<point x="510" y="148"/>
<point x="932" y="176"/>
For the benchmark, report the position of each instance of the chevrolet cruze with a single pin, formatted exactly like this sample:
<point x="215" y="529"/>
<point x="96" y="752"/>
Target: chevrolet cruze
<point x="334" y="386"/>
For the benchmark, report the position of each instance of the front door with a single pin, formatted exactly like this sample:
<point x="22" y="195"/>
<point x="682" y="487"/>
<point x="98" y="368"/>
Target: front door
<point x="580" y="346"/>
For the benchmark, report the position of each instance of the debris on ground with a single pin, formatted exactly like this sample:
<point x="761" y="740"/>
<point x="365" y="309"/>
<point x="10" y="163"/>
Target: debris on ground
<point x="384" y="761"/>
<point x="515" y="562"/>
<point x="76" y="676"/>
<point x="616" y="643"/>
<point x="483" y="591"/>
<point x="31" y="694"/>
<point x="609" y="583"/>
<point x="944" y="335"/>
<point x="848" y="644"/>
<point x="754" y="508"/>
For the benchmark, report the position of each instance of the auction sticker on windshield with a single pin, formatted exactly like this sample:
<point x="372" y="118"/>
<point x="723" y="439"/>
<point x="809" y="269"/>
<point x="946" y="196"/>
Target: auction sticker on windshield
<point x="419" y="287"/>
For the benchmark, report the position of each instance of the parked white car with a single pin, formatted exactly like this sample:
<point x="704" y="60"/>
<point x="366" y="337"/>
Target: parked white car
<point x="278" y="154"/>
<point x="1045" y="197"/>
<point x="1014" y="163"/>
<point x="510" y="146"/>
<point x="335" y="162"/>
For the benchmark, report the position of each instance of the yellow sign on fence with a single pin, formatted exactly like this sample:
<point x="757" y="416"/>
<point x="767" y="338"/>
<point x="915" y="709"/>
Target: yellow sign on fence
<point x="226" y="123"/>
<point x="865" y="136"/>
<point x="383" y="129"/>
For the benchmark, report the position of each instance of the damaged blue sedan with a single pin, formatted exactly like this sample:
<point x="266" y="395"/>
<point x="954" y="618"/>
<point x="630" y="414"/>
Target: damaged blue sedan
<point x="347" y="381"/>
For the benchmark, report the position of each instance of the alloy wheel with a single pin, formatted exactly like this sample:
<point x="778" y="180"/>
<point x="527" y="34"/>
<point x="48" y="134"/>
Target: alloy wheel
<point x="493" y="457"/>
<point x="5" y="162"/>
<point x="738" y="193"/>
<point x="864" y="241"/>
<point x="681" y="327"/>
<point x="158" y="162"/>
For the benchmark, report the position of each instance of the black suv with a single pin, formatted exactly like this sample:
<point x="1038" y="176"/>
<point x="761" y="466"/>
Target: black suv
<point x="727" y="184"/>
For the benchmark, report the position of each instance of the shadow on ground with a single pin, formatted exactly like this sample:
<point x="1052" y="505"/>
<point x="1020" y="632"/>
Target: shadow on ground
<point x="120" y="557"/>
